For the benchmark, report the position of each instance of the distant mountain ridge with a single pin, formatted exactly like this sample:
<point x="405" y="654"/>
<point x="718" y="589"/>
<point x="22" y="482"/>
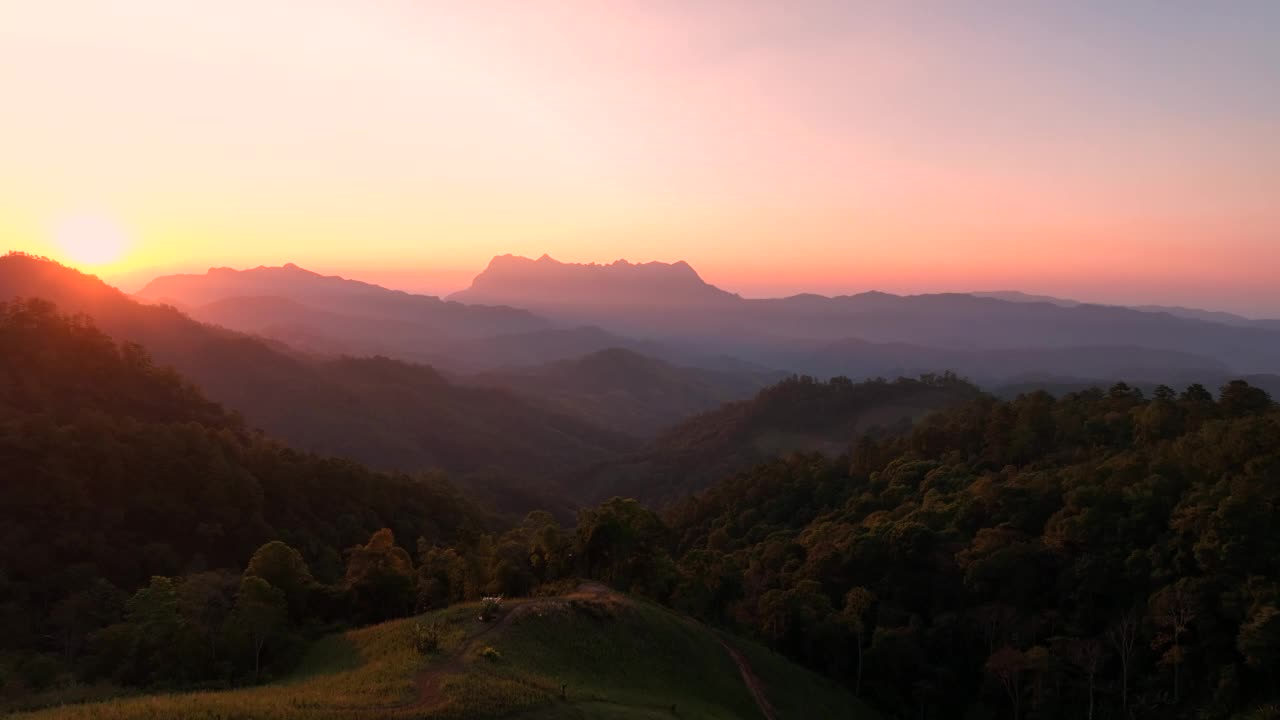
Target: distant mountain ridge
<point x="548" y="282"/>
<point x="666" y="310"/>
<point x="1188" y="313"/>
<point x="290" y="303"/>
<point x="1020" y="333"/>
<point x="332" y="315"/>
<point x="859" y="358"/>
<point x="223" y="282"/>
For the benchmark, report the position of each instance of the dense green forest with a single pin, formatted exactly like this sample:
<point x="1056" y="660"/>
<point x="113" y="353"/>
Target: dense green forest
<point x="116" y="470"/>
<point x="1099" y="555"/>
<point x="1102" y="554"/>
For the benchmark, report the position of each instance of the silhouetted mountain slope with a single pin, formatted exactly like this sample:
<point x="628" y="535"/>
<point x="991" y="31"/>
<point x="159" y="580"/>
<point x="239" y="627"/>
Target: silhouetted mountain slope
<point x="538" y="347"/>
<point x="1186" y="313"/>
<point x="1019" y="296"/>
<point x="861" y="359"/>
<point x="385" y="413"/>
<point x="306" y="328"/>
<point x="546" y="282"/>
<point x="116" y="468"/>
<point x="711" y="321"/>
<point x="325" y="313"/>
<point x="1225" y="318"/>
<point x="968" y="322"/>
<point x="797" y="415"/>
<point x="627" y="391"/>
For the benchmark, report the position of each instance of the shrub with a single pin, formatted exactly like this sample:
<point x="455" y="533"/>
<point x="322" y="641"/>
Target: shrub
<point x="426" y="638"/>
<point x="491" y="654"/>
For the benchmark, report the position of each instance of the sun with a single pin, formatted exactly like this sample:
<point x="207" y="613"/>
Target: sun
<point x="90" y="239"/>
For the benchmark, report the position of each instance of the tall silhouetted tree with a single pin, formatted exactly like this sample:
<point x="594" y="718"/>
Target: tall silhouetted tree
<point x="380" y="577"/>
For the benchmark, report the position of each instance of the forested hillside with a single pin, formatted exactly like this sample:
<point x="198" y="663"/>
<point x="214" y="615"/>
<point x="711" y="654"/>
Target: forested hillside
<point x="797" y="414"/>
<point x="384" y="413"/>
<point x="116" y="471"/>
<point x="1104" y="554"/>
<point x="154" y="543"/>
<point x="1015" y="559"/>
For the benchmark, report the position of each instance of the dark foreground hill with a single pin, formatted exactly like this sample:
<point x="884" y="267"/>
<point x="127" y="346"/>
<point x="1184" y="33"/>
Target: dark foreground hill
<point x="385" y="413"/>
<point x="115" y="469"/>
<point x="1105" y="552"/>
<point x="800" y="414"/>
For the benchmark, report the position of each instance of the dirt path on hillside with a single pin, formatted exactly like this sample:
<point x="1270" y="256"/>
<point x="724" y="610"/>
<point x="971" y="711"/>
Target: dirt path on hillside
<point x="752" y="682"/>
<point x="430" y="681"/>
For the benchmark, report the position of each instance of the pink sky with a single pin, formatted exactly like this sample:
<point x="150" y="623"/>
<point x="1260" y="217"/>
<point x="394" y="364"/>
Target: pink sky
<point x="1121" y="154"/>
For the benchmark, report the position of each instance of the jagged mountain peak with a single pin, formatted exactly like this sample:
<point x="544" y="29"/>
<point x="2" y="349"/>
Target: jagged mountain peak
<point x="520" y="281"/>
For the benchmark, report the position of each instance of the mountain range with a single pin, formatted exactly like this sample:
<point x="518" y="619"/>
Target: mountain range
<point x="1176" y="310"/>
<point x="526" y="312"/>
<point x="521" y="403"/>
<point x="549" y="283"/>
<point x="330" y="314"/>
<point x="383" y="412"/>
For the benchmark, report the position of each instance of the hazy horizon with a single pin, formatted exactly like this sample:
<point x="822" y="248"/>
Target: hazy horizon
<point x="1112" y="154"/>
<point x="442" y="283"/>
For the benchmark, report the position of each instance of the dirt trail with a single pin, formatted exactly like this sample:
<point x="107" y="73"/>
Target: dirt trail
<point x="752" y="682"/>
<point x="430" y="681"/>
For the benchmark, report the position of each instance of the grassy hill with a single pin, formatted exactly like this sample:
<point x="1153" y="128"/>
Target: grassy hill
<point x="590" y="653"/>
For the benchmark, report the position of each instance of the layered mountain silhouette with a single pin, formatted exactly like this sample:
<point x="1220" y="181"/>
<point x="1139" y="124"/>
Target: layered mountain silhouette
<point x="629" y="392"/>
<point x="521" y="313"/>
<point x="114" y="457"/>
<point x="383" y="412"/>
<point x="332" y="314"/>
<point x="1016" y="333"/>
<point x="1175" y="310"/>
<point x="859" y="358"/>
<point x="524" y="403"/>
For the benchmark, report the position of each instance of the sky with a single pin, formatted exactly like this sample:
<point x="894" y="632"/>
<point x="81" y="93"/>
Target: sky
<point x="1115" y="152"/>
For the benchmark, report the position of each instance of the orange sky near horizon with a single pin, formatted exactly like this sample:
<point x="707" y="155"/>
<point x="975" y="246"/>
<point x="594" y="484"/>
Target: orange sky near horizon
<point x="1117" y="154"/>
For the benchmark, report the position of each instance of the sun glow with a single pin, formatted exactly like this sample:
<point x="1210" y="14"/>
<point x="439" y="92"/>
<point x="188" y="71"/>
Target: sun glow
<point x="90" y="239"/>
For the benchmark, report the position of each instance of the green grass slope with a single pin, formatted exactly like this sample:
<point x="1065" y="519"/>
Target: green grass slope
<point x="589" y="654"/>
